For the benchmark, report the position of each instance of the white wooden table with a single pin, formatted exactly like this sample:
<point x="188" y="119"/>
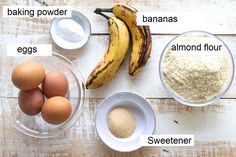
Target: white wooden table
<point x="214" y="126"/>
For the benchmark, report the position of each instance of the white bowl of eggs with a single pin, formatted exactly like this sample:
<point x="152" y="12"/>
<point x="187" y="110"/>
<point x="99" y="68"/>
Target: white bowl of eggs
<point x="45" y="95"/>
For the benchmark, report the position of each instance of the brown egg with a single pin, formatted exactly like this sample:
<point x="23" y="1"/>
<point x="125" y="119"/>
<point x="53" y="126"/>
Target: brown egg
<point x="31" y="101"/>
<point x="28" y="75"/>
<point x="56" y="110"/>
<point x="55" y="84"/>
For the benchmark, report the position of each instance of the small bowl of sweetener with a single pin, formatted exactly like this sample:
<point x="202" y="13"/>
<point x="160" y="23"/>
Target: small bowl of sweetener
<point x="196" y="68"/>
<point x="122" y="118"/>
<point x="71" y="32"/>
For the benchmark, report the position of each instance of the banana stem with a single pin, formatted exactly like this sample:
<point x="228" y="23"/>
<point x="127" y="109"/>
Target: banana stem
<point x="106" y="9"/>
<point x="99" y="12"/>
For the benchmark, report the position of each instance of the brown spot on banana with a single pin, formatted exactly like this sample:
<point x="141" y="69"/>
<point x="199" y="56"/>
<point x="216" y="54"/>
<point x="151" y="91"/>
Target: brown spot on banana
<point x="127" y="7"/>
<point x="148" y="44"/>
<point x="142" y="52"/>
<point x="143" y="48"/>
<point x="144" y="57"/>
<point x="94" y="74"/>
<point x="128" y="15"/>
<point x="135" y="63"/>
<point x="117" y="50"/>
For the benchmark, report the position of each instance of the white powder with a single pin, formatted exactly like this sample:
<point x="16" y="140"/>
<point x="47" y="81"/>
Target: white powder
<point x="195" y="76"/>
<point x="70" y="30"/>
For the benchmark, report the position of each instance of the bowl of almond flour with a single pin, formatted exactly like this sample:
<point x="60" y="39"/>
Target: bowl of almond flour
<point x="196" y="68"/>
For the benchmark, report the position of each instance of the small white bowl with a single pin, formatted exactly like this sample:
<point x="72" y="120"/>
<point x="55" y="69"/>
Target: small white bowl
<point x="217" y="41"/>
<point x="144" y="117"/>
<point x="65" y="41"/>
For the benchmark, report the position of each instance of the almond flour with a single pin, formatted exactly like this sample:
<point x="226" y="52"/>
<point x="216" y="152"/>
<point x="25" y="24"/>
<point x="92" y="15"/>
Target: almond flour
<point x="195" y="76"/>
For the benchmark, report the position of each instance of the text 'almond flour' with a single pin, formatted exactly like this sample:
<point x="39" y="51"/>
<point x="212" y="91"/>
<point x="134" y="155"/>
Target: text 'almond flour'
<point x="195" y="75"/>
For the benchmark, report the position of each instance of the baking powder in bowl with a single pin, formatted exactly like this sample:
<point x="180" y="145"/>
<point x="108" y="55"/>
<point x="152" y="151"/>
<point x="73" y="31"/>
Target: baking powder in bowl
<point x="70" y="30"/>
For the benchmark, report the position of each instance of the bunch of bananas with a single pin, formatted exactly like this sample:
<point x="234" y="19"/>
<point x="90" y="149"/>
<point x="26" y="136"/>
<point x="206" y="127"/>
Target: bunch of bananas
<point x="120" y="25"/>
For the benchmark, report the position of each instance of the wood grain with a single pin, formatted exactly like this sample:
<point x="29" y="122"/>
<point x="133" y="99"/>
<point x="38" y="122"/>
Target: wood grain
<point x="223" y="23"/>
<point x="146" y="83"/>
<point x="213" y="126"/>
<point x="82" y="139"/>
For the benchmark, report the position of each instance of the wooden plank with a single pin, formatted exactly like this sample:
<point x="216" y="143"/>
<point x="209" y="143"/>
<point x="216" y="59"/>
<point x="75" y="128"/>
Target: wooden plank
<point x="210" y="125"/>
<point x="223" y="20"/>
<point x="213" y="125"/>
<point x="146" y="83"/>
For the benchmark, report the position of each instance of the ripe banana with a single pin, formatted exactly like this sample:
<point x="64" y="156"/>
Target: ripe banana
<point x="141" y="36"/>
<point x="113" y="58"/>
